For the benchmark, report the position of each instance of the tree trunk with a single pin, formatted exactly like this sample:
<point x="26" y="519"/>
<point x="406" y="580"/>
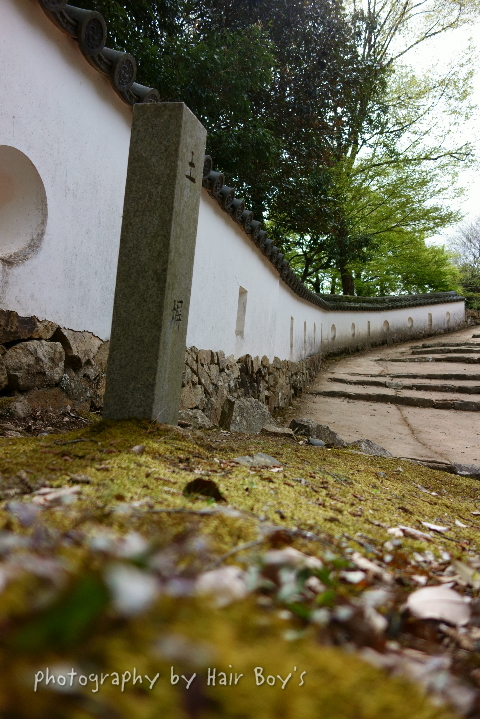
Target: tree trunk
<point x="333" y="285"/>
<point x="348" y="285"/>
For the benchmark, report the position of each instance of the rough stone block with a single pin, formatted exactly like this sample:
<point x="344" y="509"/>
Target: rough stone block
<point x="310" y="428"/>
<point x="204" y="357"/>
<point x="195" y="418"/>
<point x="366" y="446"/>
<point x="14" y="327"/>
<point x="204" y="379"/>
<point x="214" y="373"/>
<point x="199" y="393"/>
<point x="101" y="358"/>
<point x="3" y="374"/>
<point x="246" y="415"/>
<point x="188" y="399"/>
<point x="216" y="403"/>
<point x="467" y="470"/>
<point x="79" y="347"/>
<point x="34" y="364"/>
<point x="273" y="431"/>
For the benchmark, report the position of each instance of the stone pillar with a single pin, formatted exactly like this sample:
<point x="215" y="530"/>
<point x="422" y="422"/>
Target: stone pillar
<point x="155" y="264"/>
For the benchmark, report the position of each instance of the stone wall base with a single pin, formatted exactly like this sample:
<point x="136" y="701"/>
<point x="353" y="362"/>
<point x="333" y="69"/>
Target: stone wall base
<point x="210" y="378"/>
<point x="44" y="365"/>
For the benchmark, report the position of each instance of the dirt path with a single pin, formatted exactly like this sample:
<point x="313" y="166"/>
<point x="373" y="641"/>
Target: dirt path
<point x="416" y="400"/>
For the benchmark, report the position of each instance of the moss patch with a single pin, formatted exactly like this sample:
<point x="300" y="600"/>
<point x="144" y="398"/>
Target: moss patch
<point x="346" y="501"/>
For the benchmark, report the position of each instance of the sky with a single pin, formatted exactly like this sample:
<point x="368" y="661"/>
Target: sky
<point x="440" y="50"/>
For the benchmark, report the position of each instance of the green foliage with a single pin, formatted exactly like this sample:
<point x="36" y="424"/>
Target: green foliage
<point x="407" y="266"/>
<point x="472" y="300"/>
<point x="466" y="246"/>
<point x="67" y="621"/>
<point x="314" y="117"/>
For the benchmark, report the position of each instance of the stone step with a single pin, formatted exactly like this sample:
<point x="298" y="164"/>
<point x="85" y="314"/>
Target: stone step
<point x="446" y="350"/>
<point x="420" y="387"/>
<point x="453" y="358"/>
<point x="385" y="397"/>
<point x="446" y="344"/>
<point x="411" y="375"/>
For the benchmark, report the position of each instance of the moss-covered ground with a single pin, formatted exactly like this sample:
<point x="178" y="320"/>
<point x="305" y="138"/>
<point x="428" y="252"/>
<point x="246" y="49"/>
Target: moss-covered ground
<point x="59" y="609"/>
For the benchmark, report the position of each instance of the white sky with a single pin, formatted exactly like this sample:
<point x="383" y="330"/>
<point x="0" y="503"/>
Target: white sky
<point x="440" y="50"/>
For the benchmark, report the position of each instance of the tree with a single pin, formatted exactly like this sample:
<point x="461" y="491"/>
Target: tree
<point x="265" y="78"/>
<point x="466" y="245"/>
<point x="309" y="111"/>
<point x="390" y="130"/>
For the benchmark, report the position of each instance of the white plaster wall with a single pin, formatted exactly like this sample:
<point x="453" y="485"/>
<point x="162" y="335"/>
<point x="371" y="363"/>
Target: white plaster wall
<point x="67" y="119"/>
<point x="226" y="259"/>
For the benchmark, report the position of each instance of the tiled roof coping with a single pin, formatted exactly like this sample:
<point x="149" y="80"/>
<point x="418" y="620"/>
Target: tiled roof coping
<point x="89" y="29"/>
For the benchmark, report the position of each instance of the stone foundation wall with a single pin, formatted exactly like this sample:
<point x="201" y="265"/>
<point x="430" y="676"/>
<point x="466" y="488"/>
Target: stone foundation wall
<point x="210" y="377"/>
<point x="44" y="365"/>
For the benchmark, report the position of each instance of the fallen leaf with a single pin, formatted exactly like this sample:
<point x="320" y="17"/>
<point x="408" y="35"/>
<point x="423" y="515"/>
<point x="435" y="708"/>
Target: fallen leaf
<point x="133" y="590"/>
<point x="460" y="524"/>
<point x="204" y="487"/>
<point x="435" y="527"/>
<point x="258" y="460"/>
<point x="377" y="621"/>
<point x="420" y="579"/>
<point x="353" y="577"/>
<point x="439" y="603"/>
<point x="395" y="532"/>
<point x="468" y="574"/>
<point x="463" y="640"/>
<point x="46" y="495"/>
<point x="138" y="449"/>
<point x="292" y="557"/>
<point x="415" y="533"/>
<point x="363" y="563"/>
<point x="225" y="585"/>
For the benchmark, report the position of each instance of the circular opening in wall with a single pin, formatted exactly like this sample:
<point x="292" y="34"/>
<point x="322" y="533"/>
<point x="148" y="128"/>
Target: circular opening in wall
<point x="23" y="206"/>
<point x="333" y="332"/>
<point x="353" y="329"/>
<point x="410" y="323"/>
<point x="386" y="326"/>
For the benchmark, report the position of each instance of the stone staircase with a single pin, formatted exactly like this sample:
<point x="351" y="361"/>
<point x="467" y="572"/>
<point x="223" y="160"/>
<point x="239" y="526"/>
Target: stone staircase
<point x="416" y="400"/>
<point x="437" y="387"/>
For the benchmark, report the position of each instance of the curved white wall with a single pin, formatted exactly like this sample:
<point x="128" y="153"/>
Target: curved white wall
<point x="67" y="120"/>
<point x="226" y="260"/>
